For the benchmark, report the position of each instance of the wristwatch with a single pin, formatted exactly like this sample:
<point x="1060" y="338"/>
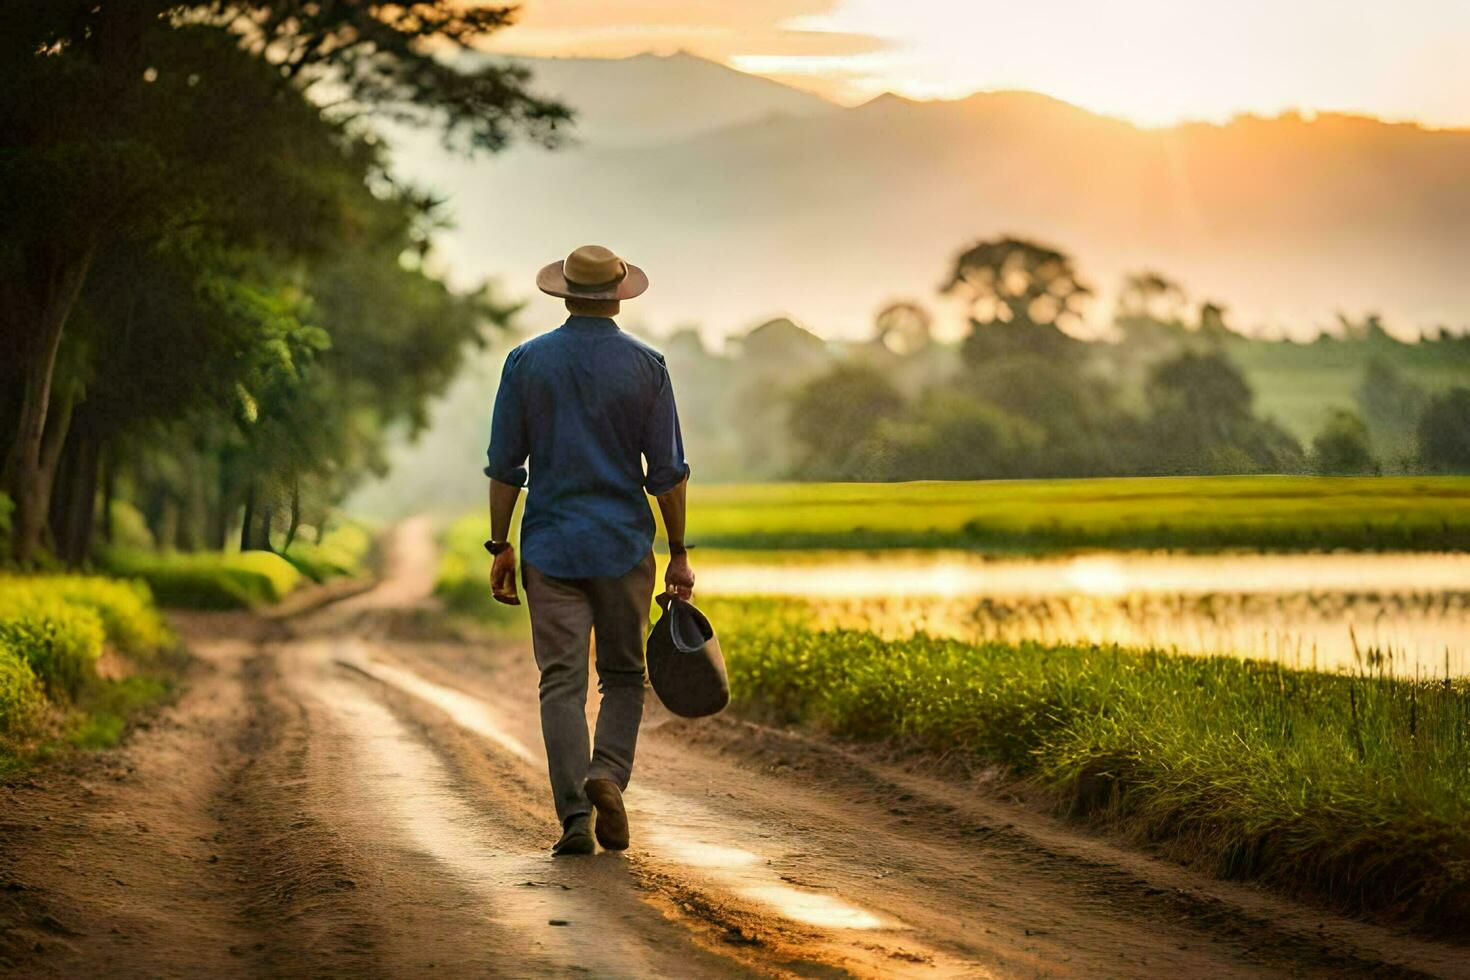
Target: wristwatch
<point x="496" y="547"/>
<point x="678" y="549"/>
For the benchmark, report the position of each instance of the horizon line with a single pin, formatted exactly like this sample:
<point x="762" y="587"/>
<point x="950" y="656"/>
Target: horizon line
<point x="1304" y="113"/>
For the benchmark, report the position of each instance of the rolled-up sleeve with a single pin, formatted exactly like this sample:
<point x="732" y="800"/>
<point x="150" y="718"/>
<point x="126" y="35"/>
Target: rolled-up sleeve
<point x="663" y="443"/>
<point x="508" y="443"/>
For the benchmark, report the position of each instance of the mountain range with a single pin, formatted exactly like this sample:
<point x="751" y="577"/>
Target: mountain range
<point x="745" y="199"/>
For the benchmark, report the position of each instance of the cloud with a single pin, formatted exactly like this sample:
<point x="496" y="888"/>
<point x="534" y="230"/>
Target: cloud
<point x="715" y="29"/>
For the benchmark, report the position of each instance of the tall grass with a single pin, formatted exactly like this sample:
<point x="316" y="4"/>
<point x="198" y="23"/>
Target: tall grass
<point x="1351" y="787"/>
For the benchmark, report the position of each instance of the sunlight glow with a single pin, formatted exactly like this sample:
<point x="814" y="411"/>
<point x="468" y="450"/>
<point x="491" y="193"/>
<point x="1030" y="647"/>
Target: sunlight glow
<point x="1154" y="62"/>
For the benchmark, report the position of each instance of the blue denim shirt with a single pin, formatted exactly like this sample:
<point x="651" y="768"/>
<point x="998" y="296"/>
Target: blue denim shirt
<point x="583" y="403"/>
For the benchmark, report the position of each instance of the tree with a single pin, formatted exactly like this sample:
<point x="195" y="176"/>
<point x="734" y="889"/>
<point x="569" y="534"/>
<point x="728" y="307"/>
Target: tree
<point x="949" y="436"/>
<point x="1343" y="447"/>
<point x="1086" y="433"/>
<point x="903" y="328"/>
<point x="1444" y="432"/>
<point x="1150" y="295"/>
<point x="1201" y="420"/>
<point x="831" y="416"/>
<point x="1391" y="405"/>
<point x="121" y="121"/>
<point x="1020" y="294"/>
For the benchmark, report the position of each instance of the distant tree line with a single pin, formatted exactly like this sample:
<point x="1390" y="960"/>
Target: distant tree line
<point x="214" y="299"/>
<point x="1026" y="398"/>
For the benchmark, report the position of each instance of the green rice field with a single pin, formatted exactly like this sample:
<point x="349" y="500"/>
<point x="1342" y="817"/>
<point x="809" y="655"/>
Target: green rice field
<point x="1265" y="513"/>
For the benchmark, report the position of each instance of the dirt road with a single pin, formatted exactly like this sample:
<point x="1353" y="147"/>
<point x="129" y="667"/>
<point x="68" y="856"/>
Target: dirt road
<point x="334" y="797"/>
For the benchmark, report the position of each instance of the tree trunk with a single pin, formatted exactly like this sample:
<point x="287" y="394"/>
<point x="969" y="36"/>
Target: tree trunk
<point x="192" y="524"/>
<point x="295" y="515"/>
<point x="109" y="491"/>
<point x="74" y="494"/>
<point x="168" y="524"/>
<point x="247" y="523"/>
<point x="263" y="533"/>
<point x="39" y="314"/>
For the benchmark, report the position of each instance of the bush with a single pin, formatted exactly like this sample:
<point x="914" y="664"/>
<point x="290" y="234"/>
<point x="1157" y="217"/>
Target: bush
<point x="131" y="620"/>
<point x="208" y="580"/>
<point x="342" y="552"/>
<point x="129" y="527"/>
<point x="21" y="698"/>
<point x="60" y="641"/>
<point x="1342" y="447"/>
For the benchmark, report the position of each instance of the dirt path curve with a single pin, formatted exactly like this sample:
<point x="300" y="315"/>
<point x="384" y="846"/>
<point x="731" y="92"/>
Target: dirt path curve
<point x="330" y="798"/>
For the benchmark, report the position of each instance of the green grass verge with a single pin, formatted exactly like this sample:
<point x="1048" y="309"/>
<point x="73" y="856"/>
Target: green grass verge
<point x="342" y="552"/>
<point x="104" y="712"/>
<point x="1267" y="513"/>
<point x="462" y="582"/>
<point x="53" y="631"/>
<point x="208" y="579"/>
<point x="1353" y="789"/>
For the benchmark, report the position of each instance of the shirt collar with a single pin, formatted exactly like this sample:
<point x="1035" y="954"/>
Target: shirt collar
<point x="591" y="324"/>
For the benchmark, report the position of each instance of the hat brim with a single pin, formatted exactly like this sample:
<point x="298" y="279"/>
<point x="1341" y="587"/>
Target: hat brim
<point x="552" y="280"/>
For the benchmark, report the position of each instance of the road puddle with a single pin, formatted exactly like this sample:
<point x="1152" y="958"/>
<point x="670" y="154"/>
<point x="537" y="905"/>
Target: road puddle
<point x="409" y="790"/>
<point x="674" y="828"/>
<point x="469" y="713"/>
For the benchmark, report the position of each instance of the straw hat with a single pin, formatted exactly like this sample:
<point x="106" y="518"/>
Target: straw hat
<point x="592" y="272"/>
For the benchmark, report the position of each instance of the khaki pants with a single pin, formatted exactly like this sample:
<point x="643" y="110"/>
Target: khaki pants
<point x="565" y="613"/>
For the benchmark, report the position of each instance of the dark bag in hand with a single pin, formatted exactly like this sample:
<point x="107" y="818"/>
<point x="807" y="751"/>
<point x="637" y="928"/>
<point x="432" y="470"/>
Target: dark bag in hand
<point x="684" y="661"/>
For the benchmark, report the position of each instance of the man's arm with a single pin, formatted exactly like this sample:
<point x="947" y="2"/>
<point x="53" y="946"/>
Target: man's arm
<point x="506" y="459"/>
<point x="668" y="477"/>
<point x="503" y="498"/>
<point x="678" y="577"/>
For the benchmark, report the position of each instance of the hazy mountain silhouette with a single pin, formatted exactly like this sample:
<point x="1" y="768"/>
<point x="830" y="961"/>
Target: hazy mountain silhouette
<point x="652" y="98"/>
<point x="746" y="199"/>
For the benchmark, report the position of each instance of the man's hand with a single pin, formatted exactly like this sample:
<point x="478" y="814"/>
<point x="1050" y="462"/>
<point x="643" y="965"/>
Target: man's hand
<point x="679" y="577"/>
<point x="503" y="578"/>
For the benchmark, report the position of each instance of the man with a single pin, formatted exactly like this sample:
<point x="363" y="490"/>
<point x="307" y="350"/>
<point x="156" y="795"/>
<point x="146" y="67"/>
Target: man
<point x="583" y="403"/>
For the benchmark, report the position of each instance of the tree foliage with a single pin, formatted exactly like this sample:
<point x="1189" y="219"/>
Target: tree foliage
<point x="1020" y="294"/>
<point x="212" y="292"/>
<point x="1032" y="401"/>
<point x="1343" y="446"/>
<point x="1444" y="432"/>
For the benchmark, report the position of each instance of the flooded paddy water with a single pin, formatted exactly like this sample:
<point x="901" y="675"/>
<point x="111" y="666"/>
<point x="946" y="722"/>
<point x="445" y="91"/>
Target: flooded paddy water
<point x="1408" y="613"/>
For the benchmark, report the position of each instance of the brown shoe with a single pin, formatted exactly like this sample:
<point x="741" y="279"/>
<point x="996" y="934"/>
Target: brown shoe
<point x="575" y="839"/>
<point x="612" y="820"/>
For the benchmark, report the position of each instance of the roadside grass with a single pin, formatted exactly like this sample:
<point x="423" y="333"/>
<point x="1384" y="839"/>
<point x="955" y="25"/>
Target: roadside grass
<point x="342" y="552"/>
<point x="462" y="581"/>
<point x="104" y="712"/>
<point x="54" y="630"/>
<point x="1352" y="788"/>
<point x="208" y="579"/>
<point x="1266" y="513"/>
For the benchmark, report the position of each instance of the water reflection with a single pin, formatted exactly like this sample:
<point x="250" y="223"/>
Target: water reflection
<point x="1310" y="611"/>
<point x="949" y="573"/>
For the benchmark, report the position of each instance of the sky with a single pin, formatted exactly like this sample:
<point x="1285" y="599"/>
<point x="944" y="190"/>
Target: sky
<point x="1154" y="62"/>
